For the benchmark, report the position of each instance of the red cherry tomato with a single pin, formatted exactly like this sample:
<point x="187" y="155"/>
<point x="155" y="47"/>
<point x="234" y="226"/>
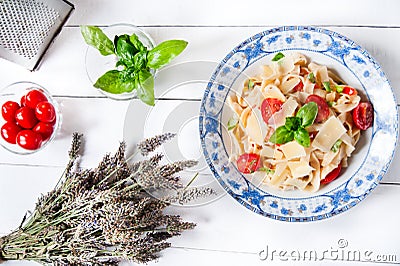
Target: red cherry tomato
<point x="34" y="97"/>
<point x="8" y="110"/>
<point x="53" y="122"/>
<point x="270" y="106"/>
<point x="298" y="87"/>
<point x="349" y="91"/>
<point x="9" y="132"/>
<point x="323" y="108"/>
<point x="25" y="117"/>
<point x="23" y="101"/>
<point x="45" y="112"/>
<point x="44" y="129"/>
<point x="332" y="175"/>
<point x="29" y="140"/>
<point x="363" y="115"/>
<point x="248" y="163"/>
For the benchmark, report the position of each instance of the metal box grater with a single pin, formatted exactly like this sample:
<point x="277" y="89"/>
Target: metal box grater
<point x="27" y="27"/>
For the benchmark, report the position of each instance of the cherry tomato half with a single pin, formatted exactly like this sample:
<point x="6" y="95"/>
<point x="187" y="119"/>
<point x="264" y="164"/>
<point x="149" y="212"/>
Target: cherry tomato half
<point x="29" y="140"/>
<point x="25" y="117"/>
<point x="349" y="91"/>
<point x="332" y="175"/>
<point x="45" y="112"/>
<point x="248" y="163"/>
<point x="34" y="97"/>
<point x="8" y="110"/>
<point x="44" y="129"/>
<point x="9" y="132"/>
<point x="363" y="115"/>
<point x="298" y="87"/>
<point x="270" y="106"/>
<point x="323" y="108"/>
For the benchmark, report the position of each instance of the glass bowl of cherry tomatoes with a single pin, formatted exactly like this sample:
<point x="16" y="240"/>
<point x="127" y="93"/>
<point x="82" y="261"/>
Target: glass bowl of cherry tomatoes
<point x="29" y="117"/>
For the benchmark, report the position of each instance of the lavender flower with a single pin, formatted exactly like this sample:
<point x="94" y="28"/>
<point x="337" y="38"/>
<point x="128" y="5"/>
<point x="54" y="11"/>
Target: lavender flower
<point x="149" y="145"/>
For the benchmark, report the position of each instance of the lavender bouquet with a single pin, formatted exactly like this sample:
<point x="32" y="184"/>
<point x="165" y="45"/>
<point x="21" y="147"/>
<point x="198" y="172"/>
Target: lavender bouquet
<point x="104" y="215"/>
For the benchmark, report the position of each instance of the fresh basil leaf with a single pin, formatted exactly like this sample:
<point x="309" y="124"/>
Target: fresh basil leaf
<point x="278" y="56"/>
<point x="292" y="123"/>
<point x="96" y="38"/>
<point x="327" y="86"/>
<point x="307" y="113"/>
<point x="163" y="53"/>
<point x="134" y="39"/>
<point x="120" y="63"/>
<point x="281" y="135"/>
<point x="146" y="89"/>
<point x="112" y="82"/>
<point x="140" y="60"/>
<point x="311" y="77"/>
<point x="266" y="169"/>
<point x="233" y="122"/>
<point x="339" y="88"/>
<point x="336" y="146"/>
<point x="128" y="73"/>
<point x="302" y="137"/>
<point x="124" y="49"/>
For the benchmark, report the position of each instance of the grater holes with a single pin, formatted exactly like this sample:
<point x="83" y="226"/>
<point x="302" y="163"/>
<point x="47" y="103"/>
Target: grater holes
<point x="24" y="25"/>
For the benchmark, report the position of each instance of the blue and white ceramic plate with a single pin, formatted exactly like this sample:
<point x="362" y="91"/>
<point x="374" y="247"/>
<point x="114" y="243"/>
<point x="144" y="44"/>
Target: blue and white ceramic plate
<point x="373" y="153"/>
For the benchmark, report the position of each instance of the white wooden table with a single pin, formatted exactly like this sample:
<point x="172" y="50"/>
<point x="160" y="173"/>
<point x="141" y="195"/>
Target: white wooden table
<point x="227" y="233"/>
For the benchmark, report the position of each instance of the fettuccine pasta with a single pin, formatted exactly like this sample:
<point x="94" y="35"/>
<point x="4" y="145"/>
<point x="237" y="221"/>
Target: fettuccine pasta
<point x="264" y="139"/>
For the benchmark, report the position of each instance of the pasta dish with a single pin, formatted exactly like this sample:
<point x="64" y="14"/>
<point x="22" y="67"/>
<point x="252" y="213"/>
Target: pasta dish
<point x="296" y="122"/>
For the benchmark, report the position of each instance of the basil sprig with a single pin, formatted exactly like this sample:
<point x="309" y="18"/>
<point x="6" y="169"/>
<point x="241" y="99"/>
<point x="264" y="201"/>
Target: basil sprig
<point x="294" y="128"/>
<point x="134" y="63"/>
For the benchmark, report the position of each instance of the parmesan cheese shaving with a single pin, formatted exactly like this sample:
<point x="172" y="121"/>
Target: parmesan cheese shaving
<point x="293" y="150"/>
<point x="299" y="169"/>
<point x="329" y="133"/>
<point x="288" y="108"/>
<point x="268" y="152"/>
<point x="254" y="128"/>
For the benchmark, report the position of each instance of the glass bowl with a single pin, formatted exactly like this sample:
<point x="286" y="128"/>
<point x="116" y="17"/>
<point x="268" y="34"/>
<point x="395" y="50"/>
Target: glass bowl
<point x="97" y="64"/>
<point x="14" y="92"/>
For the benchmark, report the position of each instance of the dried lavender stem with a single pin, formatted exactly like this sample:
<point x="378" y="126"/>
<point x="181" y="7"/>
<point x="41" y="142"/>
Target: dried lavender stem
<point x="115" y="171"/>
<point x="191" y="181"/>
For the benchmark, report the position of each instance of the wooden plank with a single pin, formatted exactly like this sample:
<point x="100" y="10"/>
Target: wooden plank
<point x="253" y="12"/>
<point x="239" y="229"/>
<point x="20" y="187"/>
<point x="225" y="229"/>
<point x="63" y="69"/>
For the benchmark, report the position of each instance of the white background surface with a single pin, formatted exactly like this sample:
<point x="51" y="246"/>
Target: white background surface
<point x="227" y="233"/>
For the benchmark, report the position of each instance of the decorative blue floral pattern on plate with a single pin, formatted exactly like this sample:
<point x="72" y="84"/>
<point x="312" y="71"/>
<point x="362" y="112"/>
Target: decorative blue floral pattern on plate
<point x="339" y="49"/>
